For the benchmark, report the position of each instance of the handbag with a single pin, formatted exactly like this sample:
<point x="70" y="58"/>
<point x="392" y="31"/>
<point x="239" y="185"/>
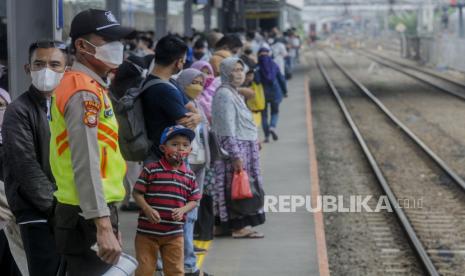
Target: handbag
<point x="216" y="151"/>
<point x="198" y="153"/>
<point x="257" y="103"/>
<point x="240" y="187"/>
<point x="249" y="205"/>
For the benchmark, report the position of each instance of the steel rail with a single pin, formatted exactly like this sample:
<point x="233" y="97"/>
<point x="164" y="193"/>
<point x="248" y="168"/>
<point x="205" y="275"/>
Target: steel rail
<point x="438" y="160"/>
<point x="405" y="223"/>
<point x="377" y="59"/>
<point x="413" y="67"/>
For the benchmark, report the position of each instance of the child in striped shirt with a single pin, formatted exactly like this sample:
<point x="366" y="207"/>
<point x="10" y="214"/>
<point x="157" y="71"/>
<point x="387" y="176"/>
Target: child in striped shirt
<point x="166" y="190"/>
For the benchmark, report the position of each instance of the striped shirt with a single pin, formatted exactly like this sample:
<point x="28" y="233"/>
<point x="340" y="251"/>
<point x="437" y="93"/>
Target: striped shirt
<point x="165" y="188"/>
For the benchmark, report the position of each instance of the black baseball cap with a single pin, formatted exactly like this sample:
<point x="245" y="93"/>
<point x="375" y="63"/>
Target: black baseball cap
<point x="100" y="22"/>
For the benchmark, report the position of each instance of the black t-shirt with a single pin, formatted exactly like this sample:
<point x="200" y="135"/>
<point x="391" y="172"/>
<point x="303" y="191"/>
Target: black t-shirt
<point x="163" y="105"/>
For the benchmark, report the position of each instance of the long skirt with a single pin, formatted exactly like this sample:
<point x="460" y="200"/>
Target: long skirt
<point x="248" y="151"/>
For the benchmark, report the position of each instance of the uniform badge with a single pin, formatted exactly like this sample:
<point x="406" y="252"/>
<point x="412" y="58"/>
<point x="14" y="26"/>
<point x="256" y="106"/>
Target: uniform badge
<point x="92" y="106"/>
<point x="108" y="110"/>
<point x="108" y="113"/>
<point x="90" y="119"/>
<point x="91" y="111"/>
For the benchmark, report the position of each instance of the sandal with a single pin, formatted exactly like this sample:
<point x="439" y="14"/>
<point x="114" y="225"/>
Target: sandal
<point x="249" y="235"/>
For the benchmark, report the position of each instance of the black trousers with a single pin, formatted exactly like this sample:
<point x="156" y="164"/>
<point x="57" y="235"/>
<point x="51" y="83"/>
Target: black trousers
<point x="203" y="228"/>
<point x="39" y="246"/>
<point x="75" y="236"/>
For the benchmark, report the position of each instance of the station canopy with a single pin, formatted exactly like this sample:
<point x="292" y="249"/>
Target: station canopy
<point x="365" y="2"/>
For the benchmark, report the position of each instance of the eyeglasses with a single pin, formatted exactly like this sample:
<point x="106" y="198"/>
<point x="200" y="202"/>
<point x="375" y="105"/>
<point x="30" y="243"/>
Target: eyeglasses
<point x="49" y="44"/>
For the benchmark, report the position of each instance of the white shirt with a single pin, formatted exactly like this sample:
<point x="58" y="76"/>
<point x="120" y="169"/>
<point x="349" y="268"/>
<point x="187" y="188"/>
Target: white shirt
<point x="279" y="53"/>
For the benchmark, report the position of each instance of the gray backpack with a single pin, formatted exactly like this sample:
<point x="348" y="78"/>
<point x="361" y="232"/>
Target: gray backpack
<point x="133" y="140"/>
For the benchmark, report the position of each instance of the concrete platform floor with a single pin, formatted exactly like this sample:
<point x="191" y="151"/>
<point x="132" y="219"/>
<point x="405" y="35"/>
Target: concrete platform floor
<point x="289" y="246"/>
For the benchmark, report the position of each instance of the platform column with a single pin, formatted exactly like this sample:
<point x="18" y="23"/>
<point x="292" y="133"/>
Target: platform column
<point x="161" y="18"/>
<point x="188" y="18"/>
<point x="115" y="7"/>
<point x="26" y="25"/>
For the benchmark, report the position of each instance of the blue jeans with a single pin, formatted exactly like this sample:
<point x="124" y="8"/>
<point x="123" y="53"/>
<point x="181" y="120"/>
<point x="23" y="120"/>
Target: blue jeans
<point x="190" y="259"/>
<point x="274" y="106"/>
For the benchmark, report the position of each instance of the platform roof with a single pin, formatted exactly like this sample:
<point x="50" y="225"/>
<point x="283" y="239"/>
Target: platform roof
<point x="365" y="2"/>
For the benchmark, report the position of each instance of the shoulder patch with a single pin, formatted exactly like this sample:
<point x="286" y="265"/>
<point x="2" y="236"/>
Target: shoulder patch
<point x="90" y="119"/>
<point x="91" y="105"/>
<point x="91" y="113"/>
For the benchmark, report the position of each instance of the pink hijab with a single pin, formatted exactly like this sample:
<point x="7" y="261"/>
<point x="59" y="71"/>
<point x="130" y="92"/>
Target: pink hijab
<point x="201" y="64"/>
<point x="211" y="84"/>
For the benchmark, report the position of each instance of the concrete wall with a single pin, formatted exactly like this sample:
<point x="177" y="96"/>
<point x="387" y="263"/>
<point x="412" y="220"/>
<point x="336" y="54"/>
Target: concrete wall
<point x="26" y="25"/>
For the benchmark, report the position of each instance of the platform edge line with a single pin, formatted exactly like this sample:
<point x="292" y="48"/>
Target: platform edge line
<point x="315" y="186"/>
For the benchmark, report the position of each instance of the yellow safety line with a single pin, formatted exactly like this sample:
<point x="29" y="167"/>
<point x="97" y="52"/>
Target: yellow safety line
<point x="201" y="257"/>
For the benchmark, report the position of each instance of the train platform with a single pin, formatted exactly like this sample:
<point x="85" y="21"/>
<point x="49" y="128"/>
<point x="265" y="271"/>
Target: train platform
<point x="292" y="242"/>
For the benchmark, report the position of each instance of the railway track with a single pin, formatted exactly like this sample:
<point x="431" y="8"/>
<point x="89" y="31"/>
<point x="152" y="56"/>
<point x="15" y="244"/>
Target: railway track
<point x="429" y="77"/>
<point x="405" y="168"/>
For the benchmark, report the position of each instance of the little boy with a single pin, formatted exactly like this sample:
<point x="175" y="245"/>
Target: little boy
<point x="165" y="191"/>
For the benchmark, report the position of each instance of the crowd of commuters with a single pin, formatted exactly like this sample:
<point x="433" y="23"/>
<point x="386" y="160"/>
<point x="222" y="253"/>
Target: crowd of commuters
<point x="65" y="173"/>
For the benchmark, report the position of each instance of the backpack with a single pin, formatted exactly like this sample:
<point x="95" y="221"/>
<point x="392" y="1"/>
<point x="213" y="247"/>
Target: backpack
<point x="133" y="140"/>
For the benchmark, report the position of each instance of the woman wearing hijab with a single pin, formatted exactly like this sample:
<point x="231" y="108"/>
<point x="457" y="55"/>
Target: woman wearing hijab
<point x="191" y="82"/>
<point x="275" y="89"/>
<point x="210" y="86"/>
<point x="233" y="124"/>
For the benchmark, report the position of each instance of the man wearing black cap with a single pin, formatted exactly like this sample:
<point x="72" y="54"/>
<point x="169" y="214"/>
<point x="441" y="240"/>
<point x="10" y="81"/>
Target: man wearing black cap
<point x="84" y="152"/>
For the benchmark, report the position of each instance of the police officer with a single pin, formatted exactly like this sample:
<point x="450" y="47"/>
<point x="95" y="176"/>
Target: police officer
<point x="84" y="153"/>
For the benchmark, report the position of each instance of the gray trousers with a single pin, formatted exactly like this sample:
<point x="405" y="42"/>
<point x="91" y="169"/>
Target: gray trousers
<point x="16" y="246"/>
<point x="12" y="233"/>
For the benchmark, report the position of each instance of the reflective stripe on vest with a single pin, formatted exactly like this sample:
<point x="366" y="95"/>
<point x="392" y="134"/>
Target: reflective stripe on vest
<point x="112" y="165"/>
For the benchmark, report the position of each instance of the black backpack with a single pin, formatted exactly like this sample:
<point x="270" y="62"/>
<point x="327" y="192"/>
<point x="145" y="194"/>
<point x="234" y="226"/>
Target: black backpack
<point x="133" y="140"/>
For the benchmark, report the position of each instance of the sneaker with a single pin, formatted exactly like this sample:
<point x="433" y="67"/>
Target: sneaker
<point x="199" y="250"/>
<point x="273" y="134"/>
<point x="267" y="140"/>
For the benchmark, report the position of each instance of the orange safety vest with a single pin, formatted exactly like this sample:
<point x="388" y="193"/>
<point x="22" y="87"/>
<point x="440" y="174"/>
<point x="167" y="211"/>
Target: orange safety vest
<point x="112" y="164"/>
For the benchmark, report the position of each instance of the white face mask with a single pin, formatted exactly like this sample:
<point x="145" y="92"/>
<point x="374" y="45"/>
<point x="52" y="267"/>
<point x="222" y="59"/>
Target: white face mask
<point x="111" y="53"/>
<point x="46" y="80"/>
